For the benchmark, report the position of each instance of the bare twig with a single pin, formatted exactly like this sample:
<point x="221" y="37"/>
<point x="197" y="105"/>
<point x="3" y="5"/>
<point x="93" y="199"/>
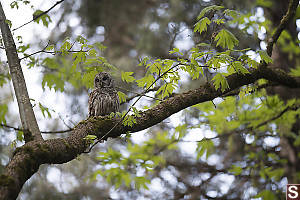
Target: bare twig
<point x="44" y="132"/>
<point x="38" y="16"/>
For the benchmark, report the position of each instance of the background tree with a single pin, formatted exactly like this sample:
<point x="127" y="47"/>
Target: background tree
<point x="248" y="139"/>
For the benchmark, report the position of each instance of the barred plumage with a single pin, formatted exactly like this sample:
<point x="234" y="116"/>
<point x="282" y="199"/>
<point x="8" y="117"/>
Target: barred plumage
<point x="104" y="99"/>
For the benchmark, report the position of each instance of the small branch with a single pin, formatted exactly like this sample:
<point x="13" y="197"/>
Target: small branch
<point x="38" y="16"/>
<point x="60" y="117"/>
<point x="288" y="108"/>
<point x="138" y="94"/>
<point x="10" y="127"/>
<point x="56" y="132"/>
<point x="51" y="52"/>
<point x="44" y="132"/>
<point x="237" y="91"/>
<point x="286" y="19"/>
<point x="36" y="52"/>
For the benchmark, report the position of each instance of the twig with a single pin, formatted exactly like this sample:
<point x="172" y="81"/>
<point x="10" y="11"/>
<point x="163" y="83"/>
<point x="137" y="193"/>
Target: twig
<point x="38" y="16"/>
<point x="52" y="52"/>
<point x="237" y="91"/>
<point x="35" y="52"/>
<point x="44" y="132"/>
<point x="288" y="108"/>
<point x="55" y="132"/>
<point x="286" y="19"/>
<point x="137" y="94"/>
<point x="60" y="117"/>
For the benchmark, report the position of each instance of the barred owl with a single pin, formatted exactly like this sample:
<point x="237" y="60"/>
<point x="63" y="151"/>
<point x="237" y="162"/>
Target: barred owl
<point x="104" y="99"/>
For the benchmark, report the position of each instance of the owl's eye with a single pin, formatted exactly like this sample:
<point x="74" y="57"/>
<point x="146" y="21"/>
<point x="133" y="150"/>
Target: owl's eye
<point x="104" y="78"/>
<point x="97" y="80"/>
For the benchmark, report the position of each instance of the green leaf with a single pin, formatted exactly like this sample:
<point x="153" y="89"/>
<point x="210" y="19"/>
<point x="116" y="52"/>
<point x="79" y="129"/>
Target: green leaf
<point x="81" y="39"/>
<point x="100" y="46"/>
<point x="3" y="111"/>
<point x="90" y="138"/>
<point x="147" y="80"/>
<point x="266" y="195"/>
<point x="126" y="76"/>
<point x="201" y="25"/>
<point x="232" y="13"/>
<point x="208" y="9"/>
<point x="129" y="120"/>
<point x="53" y="81"/>
<point x="39" y="16"/>
<point x="202" y="44"/>
<point x="23" y="48"/>
<point x="219" y="21"/>
<point x="166" y="89"/>
<point x="264" y="3"/>
<point x="44" y="110"/>
<point x="135" y="111"/>
<point x="226" y="39"/>
<point x="182" y="130"/>
<point x="88" y="78"/>
<point x="26" y="2"/>
<point x="236" y="170"/>
<point x="205" y="147"/>
<point x="265" y="57"/>
<point x="220" y="81"/>
<point x="122" y="97"/>
<point x="20" y="136"/>
<point x="239" y="68"/>
<point x="297" y="141"/>
<point x="8" y="23"/>
<point x="174" y="51"/>
<point x="14" y="4"/>
<point x="50" y="47"/>
<point x="141" y="181"/>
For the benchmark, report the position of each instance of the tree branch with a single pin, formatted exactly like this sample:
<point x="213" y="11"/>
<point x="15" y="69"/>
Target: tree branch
<point x="44" y="132"/>
<point x="28" y="119"/>
<point x="286" y="19"/>
<point x="38" y="16"/>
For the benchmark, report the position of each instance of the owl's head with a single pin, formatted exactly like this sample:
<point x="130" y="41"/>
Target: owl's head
<point x="103" y="80"/>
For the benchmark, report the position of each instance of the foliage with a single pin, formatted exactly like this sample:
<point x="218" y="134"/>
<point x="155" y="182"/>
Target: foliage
<point x="120" y="170"/>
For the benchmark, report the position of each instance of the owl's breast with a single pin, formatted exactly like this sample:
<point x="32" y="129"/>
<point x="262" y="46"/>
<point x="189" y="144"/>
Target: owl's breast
<point x="103" y="102"/>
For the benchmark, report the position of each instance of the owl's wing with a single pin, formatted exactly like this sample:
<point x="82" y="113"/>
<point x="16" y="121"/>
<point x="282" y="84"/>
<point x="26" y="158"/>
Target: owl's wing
<point x="117" y="103"/>
<point x="91" y="103"/>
